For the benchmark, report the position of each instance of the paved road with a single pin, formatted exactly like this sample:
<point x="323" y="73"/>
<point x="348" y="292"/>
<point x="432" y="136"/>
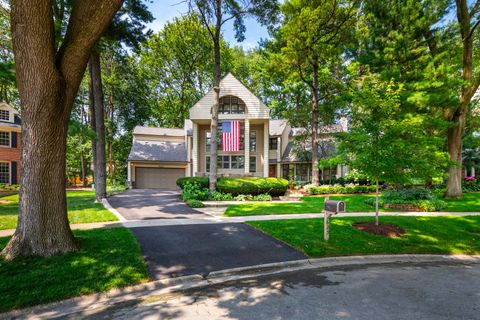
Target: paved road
<point x="424" y="291"/>
<point x="142" y="204"/>
<point x="172" y="251"/>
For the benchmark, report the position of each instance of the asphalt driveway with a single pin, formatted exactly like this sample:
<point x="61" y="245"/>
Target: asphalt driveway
<point x="172" y="251"/>
<point x="141" y="204"/>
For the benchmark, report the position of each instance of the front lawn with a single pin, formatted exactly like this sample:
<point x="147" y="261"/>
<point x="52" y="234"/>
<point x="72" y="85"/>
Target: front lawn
<point x="469" y="203"/>
<point x="439" y="235"/>
<point x="81" y="209"/>
<point x="109" y="258"/>
<point x="353" y="203"/>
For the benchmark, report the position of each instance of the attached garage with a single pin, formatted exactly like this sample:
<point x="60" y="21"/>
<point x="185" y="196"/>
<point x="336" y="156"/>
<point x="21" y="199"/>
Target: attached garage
<point x="157" y="178"/>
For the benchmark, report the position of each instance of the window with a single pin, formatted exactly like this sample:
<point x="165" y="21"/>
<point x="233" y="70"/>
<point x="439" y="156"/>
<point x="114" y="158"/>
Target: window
<point x="231" y="105"/>
<point x="4" y="115"/>
<point x="219" y="135"/>
<point x="4" y="172"/>
<point x="208" y="141"/>
<point x="253" y="165"/>
<point x="253" y="141"/>
<point x="223" y="162"/>
<point x="237" y="162"/>
<point x="207" y="163"/>
<point x="5" y="138"/>
<point x="273" y="142"/>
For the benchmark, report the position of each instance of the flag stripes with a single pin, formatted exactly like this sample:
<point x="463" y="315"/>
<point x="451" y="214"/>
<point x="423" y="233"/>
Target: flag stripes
<point x="231" y="135"/>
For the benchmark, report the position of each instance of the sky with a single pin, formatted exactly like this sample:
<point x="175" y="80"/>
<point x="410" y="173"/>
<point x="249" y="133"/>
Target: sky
<point x="165" y="10"/>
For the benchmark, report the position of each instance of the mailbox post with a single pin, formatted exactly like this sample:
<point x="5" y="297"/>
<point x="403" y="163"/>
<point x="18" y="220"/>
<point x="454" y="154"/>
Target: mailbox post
<point x="331" y="208"/>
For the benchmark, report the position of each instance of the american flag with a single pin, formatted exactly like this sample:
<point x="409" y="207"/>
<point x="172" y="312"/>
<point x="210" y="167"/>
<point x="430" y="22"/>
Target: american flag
<point x="231" y="135"/>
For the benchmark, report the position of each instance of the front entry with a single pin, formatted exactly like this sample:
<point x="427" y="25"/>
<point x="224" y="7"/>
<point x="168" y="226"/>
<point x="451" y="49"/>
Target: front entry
<point x="272" y="170"/>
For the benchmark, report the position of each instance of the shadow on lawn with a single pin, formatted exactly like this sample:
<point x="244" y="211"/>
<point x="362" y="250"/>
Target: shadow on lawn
<point x="108" y="258"/>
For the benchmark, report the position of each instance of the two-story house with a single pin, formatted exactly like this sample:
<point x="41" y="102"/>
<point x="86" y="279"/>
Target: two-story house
<point x="10" y="144"/>
<point x="159" y="156"/>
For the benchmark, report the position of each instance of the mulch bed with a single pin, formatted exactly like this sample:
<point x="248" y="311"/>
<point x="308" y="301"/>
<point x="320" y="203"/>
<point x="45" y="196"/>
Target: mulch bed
<point x="383" y="229"/>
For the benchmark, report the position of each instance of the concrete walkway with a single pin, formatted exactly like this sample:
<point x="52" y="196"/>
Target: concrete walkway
<point x="77" y="226"/>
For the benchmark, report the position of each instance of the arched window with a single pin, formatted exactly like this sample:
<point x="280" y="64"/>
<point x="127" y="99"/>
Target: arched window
<point x="231" y="105"/>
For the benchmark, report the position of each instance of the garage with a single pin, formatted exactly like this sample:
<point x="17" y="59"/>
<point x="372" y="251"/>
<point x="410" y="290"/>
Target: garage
<point x="157" y="178"/>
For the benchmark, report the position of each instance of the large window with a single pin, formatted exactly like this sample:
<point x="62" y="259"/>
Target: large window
<point x="273" y="142"/>
<point x="253" y="141"/>
<point x="231" y="105"/>
<point x="4" y="115"/>
<point x="4" y="172"/>
<point x="208" y="141"/>
<point x="253" y="164"/>
<point x="4" y="138"/>
<point x="237" y="162"/>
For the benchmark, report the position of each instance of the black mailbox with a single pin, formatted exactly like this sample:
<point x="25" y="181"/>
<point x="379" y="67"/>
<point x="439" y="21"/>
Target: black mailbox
<point x="334" y="206"/>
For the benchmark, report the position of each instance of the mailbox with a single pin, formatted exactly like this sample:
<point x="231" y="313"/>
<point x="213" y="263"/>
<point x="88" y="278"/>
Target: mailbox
<point x="334" y="206"/>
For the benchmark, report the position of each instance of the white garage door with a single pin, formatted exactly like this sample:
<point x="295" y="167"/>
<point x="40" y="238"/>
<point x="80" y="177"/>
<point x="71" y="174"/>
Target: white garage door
<point x="156" y="178"/>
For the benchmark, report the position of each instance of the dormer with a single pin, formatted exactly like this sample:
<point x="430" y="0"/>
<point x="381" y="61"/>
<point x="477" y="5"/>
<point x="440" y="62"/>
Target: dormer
<point x="236" y="102"/>
<point x="7" y="113"/>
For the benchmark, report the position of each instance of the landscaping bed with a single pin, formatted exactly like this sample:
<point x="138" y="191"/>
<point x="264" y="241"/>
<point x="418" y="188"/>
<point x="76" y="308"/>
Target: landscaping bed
<point x="437" y="235"/>
<point x="108" y="258"/>
<point x="80" y="204"/>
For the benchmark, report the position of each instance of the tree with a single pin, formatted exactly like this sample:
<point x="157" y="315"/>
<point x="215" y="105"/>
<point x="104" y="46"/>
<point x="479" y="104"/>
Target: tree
<point x="418" y="44"/>
<point x="176" y="64"/>
<point x="48" y="80"/>
<point x="214" y="14"/>
<point x="468" y="21"/>
<point x="385" y="143"/>
<point x="8" y="90"/>
<point x="313" y="35"/>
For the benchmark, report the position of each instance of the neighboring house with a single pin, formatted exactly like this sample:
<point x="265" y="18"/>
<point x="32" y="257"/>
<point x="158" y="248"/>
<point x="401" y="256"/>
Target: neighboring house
<point x="10" y="144"/>
<point x="159" y="156"/>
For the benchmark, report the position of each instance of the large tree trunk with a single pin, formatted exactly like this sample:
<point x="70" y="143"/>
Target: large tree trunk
<point x="315" y="116"/>
<point x="48" y="82"/>
<point x="100" y="161"/>
<point x="454" y="142"/>
<point x="93" y="126"/>
<point x="216" y="98"/>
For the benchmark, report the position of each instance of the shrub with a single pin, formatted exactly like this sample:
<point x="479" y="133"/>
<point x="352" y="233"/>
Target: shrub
<point x="244" y="197"/>
<point x="253" y="186"/>
<point x="193" y="191"/>
<point x="202" y="181"/>
<point x="349" y="188"/>
<point x="262" y="197"/>
<point x="10" y="187"/>
<point x="408" y="194"/>
<point x="218" y="196"/>
<point x="195" y="203"/>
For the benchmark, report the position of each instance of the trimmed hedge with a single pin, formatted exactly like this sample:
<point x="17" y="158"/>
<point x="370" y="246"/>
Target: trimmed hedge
<point x="333" y="189"/>
<point x="424" y="205"/>
<point x="202" y="181"/>
<point x="254" y="186"/>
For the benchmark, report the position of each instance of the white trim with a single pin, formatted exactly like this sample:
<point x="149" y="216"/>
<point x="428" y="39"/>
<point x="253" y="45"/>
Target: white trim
<point x="117" y="214"/>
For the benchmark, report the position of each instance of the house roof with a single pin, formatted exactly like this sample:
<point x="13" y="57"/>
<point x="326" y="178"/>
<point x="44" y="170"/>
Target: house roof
<point x="277" y="127"/>
<point x="290" y="156"/>
<point x="333" y="128"/>
<point x="171" y="132"/>
<point x="164" y="151"/>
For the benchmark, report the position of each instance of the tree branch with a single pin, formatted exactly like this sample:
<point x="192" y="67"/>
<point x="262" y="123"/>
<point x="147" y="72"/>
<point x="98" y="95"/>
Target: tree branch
<point x="89" y="19"/>
<point x="475" y="8"/>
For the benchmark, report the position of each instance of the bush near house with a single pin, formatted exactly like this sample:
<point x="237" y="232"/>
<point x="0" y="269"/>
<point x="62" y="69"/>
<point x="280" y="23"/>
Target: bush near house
<point x="254" y="186"/>
<point x="194" y="191"/>
<point x="409" y="199"/>
<point x="202" y="181"/>
<point x="339" y="189"/>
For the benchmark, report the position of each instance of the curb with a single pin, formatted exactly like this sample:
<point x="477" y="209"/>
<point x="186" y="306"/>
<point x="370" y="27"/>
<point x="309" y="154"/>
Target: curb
<point x="89" y="305"/>
<point x="107" y="206"/>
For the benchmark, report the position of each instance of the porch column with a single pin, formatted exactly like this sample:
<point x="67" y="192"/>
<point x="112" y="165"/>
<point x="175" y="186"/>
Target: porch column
<point x="265" y="149"/>
<point x="195" y="149"/>
<point x="129" y="174"/>
<point x="247" y="147"/>
<point x="472" y="171"/>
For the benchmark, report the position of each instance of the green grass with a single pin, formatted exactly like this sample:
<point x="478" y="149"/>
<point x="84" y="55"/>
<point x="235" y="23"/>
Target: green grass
<point x="108" y="258"/>
<point x="469" y="203"/>
<point x="353" y="203"/>
<point x="81" y="209"/>
<point x="439" y="235"/>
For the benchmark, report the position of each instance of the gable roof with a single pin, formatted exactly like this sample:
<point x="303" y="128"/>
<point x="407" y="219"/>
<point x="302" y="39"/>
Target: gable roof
<point x="230" y="85"/>
<point x="170" y="132"/>
<point x="164" y="151"/>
